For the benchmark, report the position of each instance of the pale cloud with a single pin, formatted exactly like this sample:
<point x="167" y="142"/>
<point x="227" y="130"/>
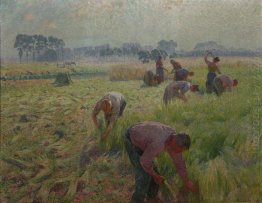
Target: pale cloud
<point x="49" y="25"/>
<point x="29" y="17"/>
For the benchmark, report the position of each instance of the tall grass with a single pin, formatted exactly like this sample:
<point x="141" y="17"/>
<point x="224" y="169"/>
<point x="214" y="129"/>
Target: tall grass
<point x="127" y="72"/>
<point x="226" y="150"/>
<point x="46" y="69"/>
<point x="135" y="71"/>
<point x="224" y="157"/>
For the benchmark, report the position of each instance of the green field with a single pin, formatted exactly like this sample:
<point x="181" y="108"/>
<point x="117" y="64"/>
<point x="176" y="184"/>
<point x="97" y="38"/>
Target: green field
<point x="45" y="129"/>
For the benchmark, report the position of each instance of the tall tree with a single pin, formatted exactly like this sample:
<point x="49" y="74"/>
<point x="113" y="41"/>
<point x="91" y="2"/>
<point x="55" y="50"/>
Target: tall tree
<point x="41" y="44"/>
<point x="53" y="44"/>
<point x="168" y="46"/>
<point x="20" y="53"/>
<point x="155" y="53"/>
<point x="56" y="44"/>
<point x="28" y="45"/>
<point x="144" y="56"/>
<point x="34" y="39"/>
<point x="61" y="45"/>
<point x="19" y="45"/>
<point x="163" y="54"/>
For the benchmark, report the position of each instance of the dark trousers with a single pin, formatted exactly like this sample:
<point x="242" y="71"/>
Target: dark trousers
<point x="122" y="108"/>
<point x="209" y="83"/>
<point x="160" y="73"/>
<point x="145" y="186"/>
<point x="218" y="86"/>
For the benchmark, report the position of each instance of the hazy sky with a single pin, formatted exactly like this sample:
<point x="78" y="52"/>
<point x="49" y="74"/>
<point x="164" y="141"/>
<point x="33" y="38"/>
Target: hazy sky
<point x="232" y="23"/>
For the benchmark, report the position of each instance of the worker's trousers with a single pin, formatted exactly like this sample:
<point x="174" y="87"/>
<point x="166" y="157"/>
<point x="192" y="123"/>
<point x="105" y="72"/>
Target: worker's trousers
<point x="160" y="73"/>
<point x="209" y="83"/>
<point x="218" y="86"/>
<point x="122" y="107"/>
<point x="145" y="186"/>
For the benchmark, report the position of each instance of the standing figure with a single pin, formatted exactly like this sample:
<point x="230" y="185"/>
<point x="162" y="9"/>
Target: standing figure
<point x="224" y="83"/>
<point x="213" y="67"/>
<point x="145" y="141"/>
<point x="160" y="69"/>
<point x="178" y="89"/>
<point x="113" y="105"/>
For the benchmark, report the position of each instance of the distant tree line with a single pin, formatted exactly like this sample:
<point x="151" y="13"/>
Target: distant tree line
<point x="127" y="49"/>
<point x="145" y="54"/>
<point x="40" y="48"/>
<point x="164" y="48"/>
<point x="219" y="50"/>
<point x="50" y="48"/>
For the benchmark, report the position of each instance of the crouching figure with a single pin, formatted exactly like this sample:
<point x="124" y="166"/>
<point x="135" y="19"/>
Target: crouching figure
<point x="178" y="89"/>
<point x="113" y="105"/>
<point x="144" y="142"/>
<point x="151" y="79"/>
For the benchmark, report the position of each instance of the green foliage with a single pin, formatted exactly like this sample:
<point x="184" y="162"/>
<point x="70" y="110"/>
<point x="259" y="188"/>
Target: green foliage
<point x="144" y="56"/>
<point x="63" y="79"/>
<point x="49" y="55"/>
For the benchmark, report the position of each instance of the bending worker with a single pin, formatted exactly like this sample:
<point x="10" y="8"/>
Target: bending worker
<point x="151" y="79"/>
<point x="180" y="73"/>
<point x="178" y="89"/>
<point x="223" y="83"/>
<point x="113" y="105"/>
<point x="143" y="142"/>
<point x="213" y="67"/>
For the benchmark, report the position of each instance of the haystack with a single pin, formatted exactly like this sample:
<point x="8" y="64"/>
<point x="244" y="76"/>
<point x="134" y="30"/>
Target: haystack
<point x="62" y="79"/>
<point x="150" y="78"/>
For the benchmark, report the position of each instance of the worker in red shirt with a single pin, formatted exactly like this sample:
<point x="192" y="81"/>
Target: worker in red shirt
<point x="224" y="83"/>
<point x="143" y="142"/>
<point x="178" y="89"/>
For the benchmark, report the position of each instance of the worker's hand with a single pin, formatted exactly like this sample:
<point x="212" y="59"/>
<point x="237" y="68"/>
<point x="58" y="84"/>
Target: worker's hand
<point x="159" y="180"/>
<point x="191" y="186"/>
<point x="98" y="125"/>
<point x="94" y="118"/>
<point x="103" y="137"/>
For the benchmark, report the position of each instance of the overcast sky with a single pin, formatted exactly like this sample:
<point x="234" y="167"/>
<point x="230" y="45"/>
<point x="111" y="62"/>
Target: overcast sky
<point x="232" y="23"/>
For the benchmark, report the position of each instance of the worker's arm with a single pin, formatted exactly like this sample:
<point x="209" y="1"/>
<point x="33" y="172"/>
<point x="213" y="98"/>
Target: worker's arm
<point x="229" y="86"/>
<point x="206" y="56"/>
<point x="182" y="92"/>
<point x="109" y="128"/>
<point x="180" y="165"/>
<point x="229" y="89"/>
<point x="183" y="97"/>
<point x="96" y="110"/>
<point x="181" y="170"/>
<point x="146" y="160"/>
<point x="191" y="73"/>
<point x="218" y="70"/>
